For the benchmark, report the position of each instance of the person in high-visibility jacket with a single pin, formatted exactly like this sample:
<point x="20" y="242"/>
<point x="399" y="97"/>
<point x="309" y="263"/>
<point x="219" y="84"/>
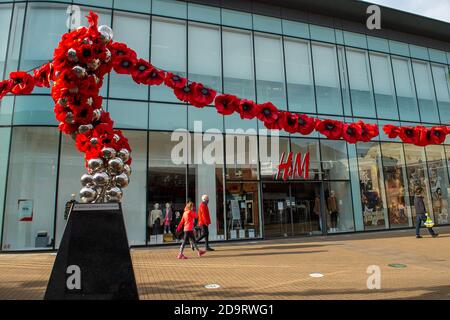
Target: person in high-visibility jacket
<point x="204" y="220"/>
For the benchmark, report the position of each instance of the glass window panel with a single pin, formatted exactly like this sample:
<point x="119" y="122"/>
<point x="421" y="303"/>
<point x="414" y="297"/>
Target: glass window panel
<point x="202" y="119"/>
<point x="418" y="52"/>
<point x="355" y="40"/>
<point x="266" y="24"/>
<point x="34" y="110"/>
<point x="439" y="181"/>
<point x="134" y="5"/>
<point x="322" y="33"/>
<point x="395" y="179"/>
<point x="344" y="81"/>
<point x="134" y="30"/>
<point x="129" y="114"/>
<point x="6" y="110"/>
<point x="425" y="92"/>
<point x="5" y="135"/>
<point x="234" y="122"/>
<point x="360" y="83"/>
<point x="33" y="167"/>
<point x="167" y="116"/>
<point x="5" y="20"/>
<point x="399" y="48"/>
<point x="241" y="155"/>
<point x="371" y="181"/>
<point x="203" y="13"/>
<point x="271" y="150"/>
<point x="438" y="56"/>
<point x="383" y="85"/>
<point x="270" y="70"/>
<point x="326" y="76"/>
<point x="168" y="52"/>
<point x="378" y="44"/>
<point x="339" y="36"/>
<point x="406" y="90"/>
<point x="236" y="19"/>
<point x="238" y="68"/>
<point x="334" y="160"/>
<point x="303" y="146"/>
<point x="441" y="84"/>
<point x="170" y="8"/>
<point x="338" y="199"/>
<point x="299" y="76"/>
<point x="15" y="38"/>
<point x="99" y="3"/>
<point x="205" y="55"/>
<point x="295" y="29"/>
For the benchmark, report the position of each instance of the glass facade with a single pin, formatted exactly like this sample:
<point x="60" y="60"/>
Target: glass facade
<point x="299" y="67"/>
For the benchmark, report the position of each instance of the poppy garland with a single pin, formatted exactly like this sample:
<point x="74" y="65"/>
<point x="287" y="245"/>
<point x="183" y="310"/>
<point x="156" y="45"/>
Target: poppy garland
<point x="419" y="135"/>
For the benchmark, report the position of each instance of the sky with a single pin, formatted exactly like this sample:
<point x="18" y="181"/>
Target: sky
<point x="436" y="9"/>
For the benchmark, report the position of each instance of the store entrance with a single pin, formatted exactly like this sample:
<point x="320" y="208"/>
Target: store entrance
<point x="292" y="209"/>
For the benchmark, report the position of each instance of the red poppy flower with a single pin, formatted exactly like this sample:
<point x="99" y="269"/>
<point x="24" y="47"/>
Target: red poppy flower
<point x="332" y="129"/>
<point x="305" y="124"/>
<point x="391" y="131"/>
<point x="67" y="128"/>
<point x="289" y="121"/>
<point x="185" y="93"/>
<point x="124" y="64"/>
<point x="247" y="109"/>
<point x="369" y="131"/>
<point x="409" y="135"/>
<point x="274" y="125"/>
<point x="42" y="75"/>
<point x="267" y="113"/>
<point x="94" y="152"/>
<point x="175" y="81"/>
<point x="352" y="132"/>
<point x="5" y="87"/>
<point x="60" y="112"/>
<point x="154" y="77"/>
<point x="119" y="49"/>
<point x="424" y="136"/>
<point x="226" y="104"/>
<point x="140" y="70"/>
<point x="202" y="96"/>
<point x="83" y="114"/>
<point x="23" y="83"/>
<point x="438" y="134"/>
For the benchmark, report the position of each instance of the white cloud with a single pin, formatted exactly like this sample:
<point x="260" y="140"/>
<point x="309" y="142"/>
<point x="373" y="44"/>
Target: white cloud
<point x="436" y="9"/>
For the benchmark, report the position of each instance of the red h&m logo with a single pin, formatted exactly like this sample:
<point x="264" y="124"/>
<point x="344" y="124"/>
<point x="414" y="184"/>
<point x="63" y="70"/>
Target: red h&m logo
<point x="300" y="169"/>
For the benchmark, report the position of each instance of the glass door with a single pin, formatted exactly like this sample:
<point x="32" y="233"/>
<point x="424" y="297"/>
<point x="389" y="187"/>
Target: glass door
<point x="306" y="208"/>
<point x="277" y="211"/>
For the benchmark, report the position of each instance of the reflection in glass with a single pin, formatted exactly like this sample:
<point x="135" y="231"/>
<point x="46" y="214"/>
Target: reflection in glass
<point x="441" y="83"/>
<point x="425" y="92"/>
<point x="339" y="209"/>
<point x="303" y="146"/>
<point x="334" y="160"/>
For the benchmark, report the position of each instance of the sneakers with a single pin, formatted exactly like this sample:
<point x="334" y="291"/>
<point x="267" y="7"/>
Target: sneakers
<point x="209" y="249"/>
<point x="435" y="235"/>
<point x="419" y="237"/>
<point x="201" y="252"/>
<point x="181" y="256"/>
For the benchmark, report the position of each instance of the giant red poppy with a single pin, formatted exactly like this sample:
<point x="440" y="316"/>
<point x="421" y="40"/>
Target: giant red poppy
<point x="306" y="124"/>
<point x="22" y="82"/>
<point x="409" y="135"/>
<point x="391" y="131"/>
<point x="369" y="131"/>
<point x="202" y="96"/>
<point x="124" y="64"/>
<point x="332" y="129"/>
<point x="5" y="87"/>
<point x="424" y="136"/>
<point x="185" y="93"/>
<point x="175" y="81"/>
<point x="226" y="104"/>
<point x="119" y="49"/>
<point x="352" y="132"/>
<point x="144" y="73"/>
<point x="267" y="113"/>
<point x="274" y="125"/>
<point x="247" y="109"/>
<point x="438" y="134"/>
<point x="83" y="114"/>
<point x="42" y="76"/>
<point x="289" y="121"/>
<point x="67" y="128"/>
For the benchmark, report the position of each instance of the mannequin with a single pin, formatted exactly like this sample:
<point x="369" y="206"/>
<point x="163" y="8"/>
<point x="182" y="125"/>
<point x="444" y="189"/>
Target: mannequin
<point x="167" y="218"/>
<point x="155" y="219"/>
<point x="333" y="210"/>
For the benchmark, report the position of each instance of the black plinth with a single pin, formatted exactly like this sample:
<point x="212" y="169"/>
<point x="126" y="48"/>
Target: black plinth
<point x="95" y="244"/>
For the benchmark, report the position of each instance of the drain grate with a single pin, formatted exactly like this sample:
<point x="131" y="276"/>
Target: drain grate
<point x="397" y="265"/>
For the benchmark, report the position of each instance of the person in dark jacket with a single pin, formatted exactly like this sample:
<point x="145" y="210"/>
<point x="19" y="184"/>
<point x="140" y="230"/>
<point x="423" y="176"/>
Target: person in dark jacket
<point x="421" y="211"/>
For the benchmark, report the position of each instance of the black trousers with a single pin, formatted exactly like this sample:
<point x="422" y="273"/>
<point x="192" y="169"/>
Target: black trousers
<point x="205" y="235"/>
<point x="334" y="219"/>
<point x="188" y="237"/>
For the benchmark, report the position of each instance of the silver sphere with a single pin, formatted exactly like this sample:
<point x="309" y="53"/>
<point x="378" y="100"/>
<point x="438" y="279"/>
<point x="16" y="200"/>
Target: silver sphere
<point x="87" y="195"/>
<point x="97" y="114"/>
<point x="101" y="179"/>
<point x="115" y="165"/>
<point x="108" y="56"/>
<point x="116" y="137"/>
<point x="62" y="102"/>
<point x="121" y="180"/>
<point x="80" y="72"/>
<point x="93" y="65"/>
<point x="85" y="128"/>
<point x="124" y="154"/>
<point x="108" y="153"/>
<point x="87" y="180"/>
<point x="127" y="170"/>
<point x="72" y="55"/>
<point x="95" y="164"/>
<point x="114" y="194"/>
<point x="94" y="141"/>
<point x="106" y="33"/>
<point x="69" y="118"/>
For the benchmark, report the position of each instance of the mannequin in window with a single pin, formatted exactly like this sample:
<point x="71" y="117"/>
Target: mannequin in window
<point x="167" y="218"/>
<point x="333" y="210"/>
<point x="155" y="220"/>
<point x="316" y="210"/>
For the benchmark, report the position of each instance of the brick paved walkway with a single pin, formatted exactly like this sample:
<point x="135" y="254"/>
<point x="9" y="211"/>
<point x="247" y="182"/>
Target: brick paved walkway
<point x="271" y="269"/>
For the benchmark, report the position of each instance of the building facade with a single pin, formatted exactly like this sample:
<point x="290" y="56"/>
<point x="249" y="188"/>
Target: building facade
<point x="324" y="65"/>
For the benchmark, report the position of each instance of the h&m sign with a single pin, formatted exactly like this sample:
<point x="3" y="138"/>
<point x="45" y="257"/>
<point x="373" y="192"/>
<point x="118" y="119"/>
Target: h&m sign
<point x="291" y="169"/>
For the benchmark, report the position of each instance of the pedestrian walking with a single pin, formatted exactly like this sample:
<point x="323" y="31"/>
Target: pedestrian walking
<point x="187" y="222"/>
<point x="421" y="213"/>
<point x="204" y="220"/>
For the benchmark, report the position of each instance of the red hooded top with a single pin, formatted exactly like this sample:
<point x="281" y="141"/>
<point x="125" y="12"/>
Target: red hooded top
<point x="187" y="221"/>
<point x="203" y="215"/>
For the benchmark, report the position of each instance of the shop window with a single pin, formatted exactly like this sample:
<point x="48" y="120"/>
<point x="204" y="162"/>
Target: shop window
<point x="371" y="182"/>
<point x="425" y="92"/>
<point x="334" y="160"/>
<point x="441" y="83"/>
<point x="242" y="208"/>
<point x="339" y="210"/>
<point x="303" y="146"/>
<point x="271" y="150"/>
<point x="31" y="189"/>
<point x="438" y="173"/>
<point x="241" y="155"/>
<point x="299" y="76"/>
<point x="396" y="183"/>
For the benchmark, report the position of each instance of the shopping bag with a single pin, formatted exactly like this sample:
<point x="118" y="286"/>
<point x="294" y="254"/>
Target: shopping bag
<point x="429" y="222"/>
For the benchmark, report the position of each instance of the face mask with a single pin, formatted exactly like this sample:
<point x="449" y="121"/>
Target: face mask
<point x="206" y="201"/>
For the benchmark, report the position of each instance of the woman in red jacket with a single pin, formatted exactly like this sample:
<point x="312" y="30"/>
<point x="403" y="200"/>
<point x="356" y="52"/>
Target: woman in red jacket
<point x="188" y="222"/>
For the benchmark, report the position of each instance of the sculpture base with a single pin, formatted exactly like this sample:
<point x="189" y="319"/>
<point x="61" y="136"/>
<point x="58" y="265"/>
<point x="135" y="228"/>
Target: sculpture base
<point x="93" y="260"/>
